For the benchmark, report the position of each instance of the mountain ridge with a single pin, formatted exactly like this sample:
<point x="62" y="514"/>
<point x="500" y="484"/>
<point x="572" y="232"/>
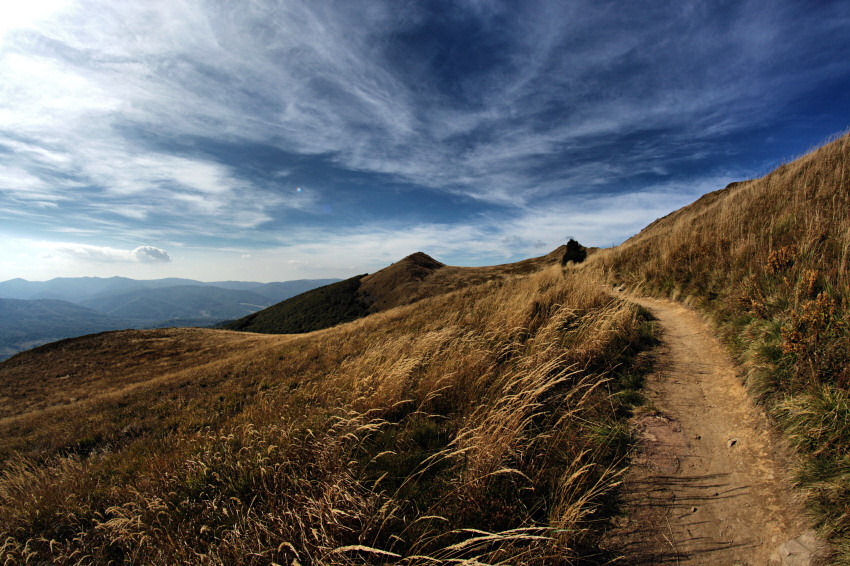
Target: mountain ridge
<point x="411" y="279"/>
<point x="82" y="288"/>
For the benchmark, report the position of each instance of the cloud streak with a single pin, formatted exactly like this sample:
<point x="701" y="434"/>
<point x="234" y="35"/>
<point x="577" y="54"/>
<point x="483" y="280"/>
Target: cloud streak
<point x="194" y="123"/>
<point x="104" y="254"/>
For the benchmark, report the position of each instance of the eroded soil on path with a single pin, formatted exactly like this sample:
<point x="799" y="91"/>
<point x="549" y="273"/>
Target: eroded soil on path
<point x="709" y="483"/>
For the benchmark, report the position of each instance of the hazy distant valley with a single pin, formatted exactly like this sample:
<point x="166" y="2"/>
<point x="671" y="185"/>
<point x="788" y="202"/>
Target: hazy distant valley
<point x="36" y="312"/>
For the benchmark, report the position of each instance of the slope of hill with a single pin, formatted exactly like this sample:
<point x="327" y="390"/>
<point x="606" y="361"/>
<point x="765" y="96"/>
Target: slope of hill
<point x="475" y="425"/>
<point x="768" y="259"/>
<point x="398" y="283"/>
<point x="282" y="290"/>
<point x="26" y="324"/>
<point x="411" y="279"/>
<point x="320" y="308"/>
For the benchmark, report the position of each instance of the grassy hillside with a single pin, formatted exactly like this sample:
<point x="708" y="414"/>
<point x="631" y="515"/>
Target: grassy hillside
<point x="400" y="283"/>
<point x="768" y="259"/>
<point x="416" y="277"/>
<point x="314" y="310"/>
<point x="482" y="425"/>
<point x="280" y="291"/>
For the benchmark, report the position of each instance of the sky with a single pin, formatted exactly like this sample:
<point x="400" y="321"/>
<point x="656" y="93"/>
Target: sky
<point x="277" y="140"/>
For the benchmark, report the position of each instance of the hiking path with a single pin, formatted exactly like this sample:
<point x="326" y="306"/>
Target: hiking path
<point x="710" y="482"/>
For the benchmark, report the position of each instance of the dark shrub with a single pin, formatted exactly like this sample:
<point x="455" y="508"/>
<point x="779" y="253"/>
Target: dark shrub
<point x="575" y="253"/>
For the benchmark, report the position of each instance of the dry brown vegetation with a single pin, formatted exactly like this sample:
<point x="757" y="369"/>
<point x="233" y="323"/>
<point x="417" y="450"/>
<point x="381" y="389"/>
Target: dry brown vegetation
<point x="406" y="281"/>
<point x="768" y="259"/>
<point x="77" y="394"/>
<point x="419" y="276"/>
<point x="482" y="426"/>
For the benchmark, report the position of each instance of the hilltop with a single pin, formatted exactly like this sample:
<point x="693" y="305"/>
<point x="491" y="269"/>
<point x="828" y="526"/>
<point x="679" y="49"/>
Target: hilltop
<point x="413" y="278"/>
<point x="400" y="283"/>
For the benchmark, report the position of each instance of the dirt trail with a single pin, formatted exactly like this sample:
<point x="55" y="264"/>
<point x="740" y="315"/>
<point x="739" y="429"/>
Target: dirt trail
<point x="710" y="484"/>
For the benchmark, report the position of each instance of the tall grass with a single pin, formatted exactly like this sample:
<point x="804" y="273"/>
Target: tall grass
<point x="481" y="427"/>
<point x="768" y="259"/>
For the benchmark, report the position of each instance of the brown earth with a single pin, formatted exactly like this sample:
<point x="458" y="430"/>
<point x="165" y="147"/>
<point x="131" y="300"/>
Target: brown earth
<point x="710" y="482"/>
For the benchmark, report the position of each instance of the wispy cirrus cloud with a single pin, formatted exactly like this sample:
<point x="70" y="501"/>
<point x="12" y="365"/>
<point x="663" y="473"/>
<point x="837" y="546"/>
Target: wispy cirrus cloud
<point x="537" y="230"/>
<point x="196" y="123"/>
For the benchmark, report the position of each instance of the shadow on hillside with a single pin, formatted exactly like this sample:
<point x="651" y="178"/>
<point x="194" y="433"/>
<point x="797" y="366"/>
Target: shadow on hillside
<point x="658" y="527"/>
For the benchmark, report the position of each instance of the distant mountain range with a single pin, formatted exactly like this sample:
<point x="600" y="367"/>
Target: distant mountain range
<point x="77" y="289"/>
<point x="36" y="312"/>
<point x="26" y="324"/>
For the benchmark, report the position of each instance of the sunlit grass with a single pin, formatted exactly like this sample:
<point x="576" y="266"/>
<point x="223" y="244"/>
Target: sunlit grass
<point x="483" y="425"/>
<point x="769" y="259"/>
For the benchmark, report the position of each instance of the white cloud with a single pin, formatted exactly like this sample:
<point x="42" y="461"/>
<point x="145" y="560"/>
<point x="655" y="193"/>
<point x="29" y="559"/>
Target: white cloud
<point x="150" y="254"/>
<point x="106" y="107"/>
<point x="21" y="14"/>
<point x="102" y="254"/>
<point x="312" y="79"/>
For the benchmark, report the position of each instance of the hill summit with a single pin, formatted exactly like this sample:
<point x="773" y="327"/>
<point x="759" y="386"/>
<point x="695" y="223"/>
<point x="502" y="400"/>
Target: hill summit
<point x="416" y="277"/>
<point x="398" y="283"/>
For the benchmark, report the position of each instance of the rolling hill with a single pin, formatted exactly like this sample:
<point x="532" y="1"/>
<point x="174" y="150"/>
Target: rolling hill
<point x="314" y="310"/>
<point x="282" y="290"/>
<point x="476" y="415"/>
<point x="409" y="280"/>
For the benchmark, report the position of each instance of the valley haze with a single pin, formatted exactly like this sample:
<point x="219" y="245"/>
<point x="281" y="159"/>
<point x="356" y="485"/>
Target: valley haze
<point x="36" y="312"/>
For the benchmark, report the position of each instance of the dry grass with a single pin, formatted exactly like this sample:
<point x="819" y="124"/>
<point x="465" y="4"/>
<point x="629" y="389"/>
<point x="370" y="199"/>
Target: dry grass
<point x="418" y="276"/>
<point x="769" y="260"/>
<point x="483" y="426"/>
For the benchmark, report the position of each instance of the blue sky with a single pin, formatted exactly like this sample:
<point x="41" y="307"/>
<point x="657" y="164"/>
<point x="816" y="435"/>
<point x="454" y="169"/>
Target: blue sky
<point x="275" y="140"/>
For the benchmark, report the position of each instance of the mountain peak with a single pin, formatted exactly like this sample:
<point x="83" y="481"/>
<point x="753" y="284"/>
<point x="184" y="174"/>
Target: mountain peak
<point x="421" y="259"/>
